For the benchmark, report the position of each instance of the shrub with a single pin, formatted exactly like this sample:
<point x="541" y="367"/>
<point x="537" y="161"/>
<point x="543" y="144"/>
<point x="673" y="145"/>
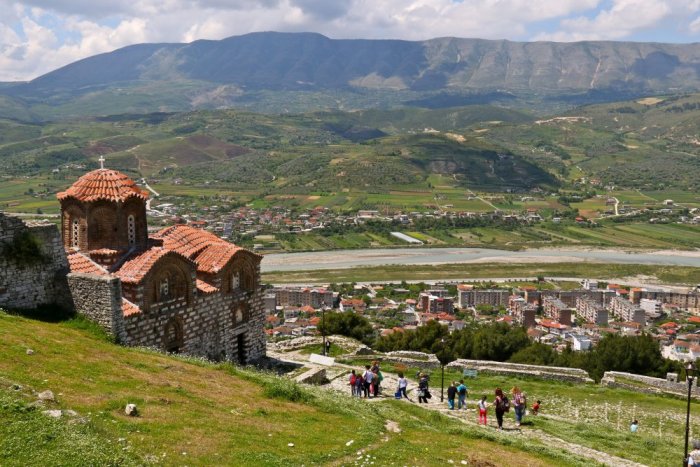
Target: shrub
<point x="285" y="389"/>
<point x="24" y="250"/>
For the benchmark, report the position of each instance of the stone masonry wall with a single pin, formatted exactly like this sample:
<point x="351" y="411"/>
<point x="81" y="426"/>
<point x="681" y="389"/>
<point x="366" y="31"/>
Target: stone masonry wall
<point x="647" y="384"/>
<point x="208" y="327"/>
<point x="516" y="369"/>
<point x="33" y="285"/>
<point x="99" y="298"/>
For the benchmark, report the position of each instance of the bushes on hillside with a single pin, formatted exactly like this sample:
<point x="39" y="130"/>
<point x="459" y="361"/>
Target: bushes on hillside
<point x="501" y="342"/>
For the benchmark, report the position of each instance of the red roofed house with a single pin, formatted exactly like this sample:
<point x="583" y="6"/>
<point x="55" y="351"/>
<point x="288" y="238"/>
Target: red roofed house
<point x="181" y="290"/>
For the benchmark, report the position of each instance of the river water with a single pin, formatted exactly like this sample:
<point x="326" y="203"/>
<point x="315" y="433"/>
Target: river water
<point x="340" y="259"/>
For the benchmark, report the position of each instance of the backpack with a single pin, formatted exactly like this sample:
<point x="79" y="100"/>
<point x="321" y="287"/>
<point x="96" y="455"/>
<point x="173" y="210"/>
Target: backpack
<point x="462" y="390"/>
<point x="353" y="380"/>
<point x="504" y="405"/>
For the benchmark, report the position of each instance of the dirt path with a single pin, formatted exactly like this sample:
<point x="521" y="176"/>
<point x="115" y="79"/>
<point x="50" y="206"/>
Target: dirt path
<point x="339" y="375"/>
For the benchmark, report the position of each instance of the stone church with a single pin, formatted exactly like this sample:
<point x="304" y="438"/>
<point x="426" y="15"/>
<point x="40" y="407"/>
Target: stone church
<point x="180" y="290"/>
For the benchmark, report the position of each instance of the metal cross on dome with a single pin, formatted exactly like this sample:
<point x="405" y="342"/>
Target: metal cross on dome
<point x="102" y="162"/>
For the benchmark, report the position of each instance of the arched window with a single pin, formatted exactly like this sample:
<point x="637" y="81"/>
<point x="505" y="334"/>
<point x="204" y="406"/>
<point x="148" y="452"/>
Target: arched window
<point x="164" y="289"/>
<point x="235" y="281"/>
<point x="75" y="233"/>
<point x="131" y="229"/>
<point x="247" y="279"/>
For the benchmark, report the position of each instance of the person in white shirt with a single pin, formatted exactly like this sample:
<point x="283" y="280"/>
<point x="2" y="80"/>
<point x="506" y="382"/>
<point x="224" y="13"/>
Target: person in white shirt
<point x="403" y="384"/>
<point x="483" y="407"/>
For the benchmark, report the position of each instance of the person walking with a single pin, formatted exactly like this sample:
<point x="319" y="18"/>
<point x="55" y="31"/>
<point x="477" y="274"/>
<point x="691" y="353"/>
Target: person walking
<point x="483" y="407"/>
<point x="403" y="385"/>
<point x="423" y="389"/>
<point x="375" y="384"/>
<point x="359" y="385"/>
<point x="519" y="403"/>
<point x="353" y="381"/>
<point x="502" y="406"/>
<point x="536" y="407"/>
<point x="451" y="394"/>
<point x="367" y="377"/>
<point x="462" y="395"/>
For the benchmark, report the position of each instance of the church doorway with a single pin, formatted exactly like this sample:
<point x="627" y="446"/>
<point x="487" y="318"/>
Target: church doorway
<point x="173" y="336"/>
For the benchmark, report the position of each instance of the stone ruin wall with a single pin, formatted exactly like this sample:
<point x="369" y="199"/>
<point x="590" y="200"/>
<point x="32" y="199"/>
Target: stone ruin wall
<point x="33" y="285"/>
<point x="99" y="298"/>
<point x="574" y="375"/>
<point x="647" y="384"/>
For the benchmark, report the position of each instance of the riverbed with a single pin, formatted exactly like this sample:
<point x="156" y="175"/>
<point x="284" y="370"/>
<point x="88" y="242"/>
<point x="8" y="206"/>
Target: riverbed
<point x="341" y="259"/>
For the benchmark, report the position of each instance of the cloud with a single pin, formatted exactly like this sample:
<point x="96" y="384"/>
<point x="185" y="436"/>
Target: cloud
<point x="622" y="19"/>
<point x="37" y="36"/>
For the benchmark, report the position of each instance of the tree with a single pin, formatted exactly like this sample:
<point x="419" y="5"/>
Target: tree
<point x="347" y="324"/>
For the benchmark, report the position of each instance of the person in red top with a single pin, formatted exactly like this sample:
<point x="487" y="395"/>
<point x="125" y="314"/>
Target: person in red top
<point x="535" y="407"/>
<point x="353" y="381"/>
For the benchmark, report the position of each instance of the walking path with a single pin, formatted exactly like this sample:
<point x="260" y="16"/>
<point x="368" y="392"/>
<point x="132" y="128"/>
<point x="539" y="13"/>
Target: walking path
<point x="339" y="378"/>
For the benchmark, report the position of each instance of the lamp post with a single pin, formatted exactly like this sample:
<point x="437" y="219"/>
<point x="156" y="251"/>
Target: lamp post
<point x="442" y="371"/>
<point x="323" y="328"/>
<point x="690" y="373"/>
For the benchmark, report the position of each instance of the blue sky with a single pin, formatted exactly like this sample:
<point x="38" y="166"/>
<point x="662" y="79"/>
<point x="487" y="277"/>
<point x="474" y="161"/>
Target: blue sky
<point x="37" y="36"/>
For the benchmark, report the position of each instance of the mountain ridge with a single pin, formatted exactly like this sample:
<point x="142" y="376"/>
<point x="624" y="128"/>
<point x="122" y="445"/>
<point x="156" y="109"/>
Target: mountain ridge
<point x="265" y="67"/>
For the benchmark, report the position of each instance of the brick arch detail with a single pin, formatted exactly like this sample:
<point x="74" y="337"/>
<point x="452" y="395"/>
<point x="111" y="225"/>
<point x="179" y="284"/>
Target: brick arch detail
<point x="243" y="266"/>
<point x="103" y="225"/>
<point x="134" y="207"/>
<point x="179" y="273"/>
<point x="72" y="211"/>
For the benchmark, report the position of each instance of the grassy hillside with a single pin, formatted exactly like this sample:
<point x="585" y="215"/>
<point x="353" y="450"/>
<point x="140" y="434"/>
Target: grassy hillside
<point x="197" y="413"/>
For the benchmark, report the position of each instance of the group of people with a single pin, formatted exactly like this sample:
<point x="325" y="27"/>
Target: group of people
<point x="368" y="384"/>
<point x="459" y="391"/>
<point x="502" y="405"/>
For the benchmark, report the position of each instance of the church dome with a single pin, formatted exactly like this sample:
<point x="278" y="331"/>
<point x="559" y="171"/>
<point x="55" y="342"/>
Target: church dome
<point x="103" y="184"/>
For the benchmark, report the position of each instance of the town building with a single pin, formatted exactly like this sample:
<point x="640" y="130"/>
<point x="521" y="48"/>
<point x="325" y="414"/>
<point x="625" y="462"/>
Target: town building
<point x="476" y="297"/>
<point x="581" y="343"/>
<point x="523" y="313"/>
<point x="556" y="310"/>
<point x="182" y="289"/>
<point x="436" y="304"/>
<point x="303" y="296"/>
<point x="591" y="311"/>
<point x="624" y="310"/>
<point x="651" y="307"/>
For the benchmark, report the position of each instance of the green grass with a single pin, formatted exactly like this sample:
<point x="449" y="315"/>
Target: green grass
<point x="199" y="413"/>
<point x="318" y="349"/>
<point x="591" y="415"/>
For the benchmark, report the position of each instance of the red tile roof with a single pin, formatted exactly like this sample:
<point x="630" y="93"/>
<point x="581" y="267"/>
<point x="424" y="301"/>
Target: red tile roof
<point x="80" y="263"/>
<point x="205" y="288"/>
<point x="137" y="267"/>
<point x="129" y="308"/>
<point x="215" y="256"/>
<point x="103" y="184"/>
